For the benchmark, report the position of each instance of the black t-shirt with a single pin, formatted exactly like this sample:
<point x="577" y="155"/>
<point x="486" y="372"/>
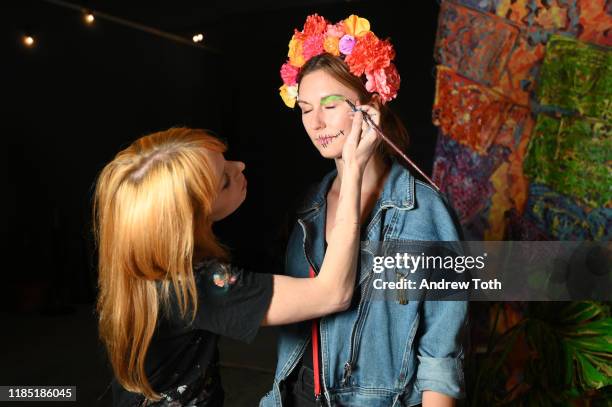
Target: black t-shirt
<point x="182" y="360"/>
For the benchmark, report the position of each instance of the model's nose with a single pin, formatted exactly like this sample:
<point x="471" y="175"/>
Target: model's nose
<point x="318" y="122"/>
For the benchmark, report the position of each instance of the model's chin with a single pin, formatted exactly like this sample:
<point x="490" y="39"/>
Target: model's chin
<point x="330" y="153"/>
<point x="332" y="150"/>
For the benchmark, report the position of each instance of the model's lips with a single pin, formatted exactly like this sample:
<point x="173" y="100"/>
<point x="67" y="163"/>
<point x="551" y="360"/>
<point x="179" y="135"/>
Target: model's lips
<point x="244" y="182"/>
<point x="325" y="140"/>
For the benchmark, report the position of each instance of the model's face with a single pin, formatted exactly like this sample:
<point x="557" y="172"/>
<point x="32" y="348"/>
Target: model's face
<point x="325" y="115"/>
<point x="231" y="187"/>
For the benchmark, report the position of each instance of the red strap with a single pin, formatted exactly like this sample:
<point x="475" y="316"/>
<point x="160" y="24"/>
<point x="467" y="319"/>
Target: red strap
<point x="315" y="351"/>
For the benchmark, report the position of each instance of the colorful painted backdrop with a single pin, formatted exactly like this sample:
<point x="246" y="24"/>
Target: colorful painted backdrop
<point x="524" y="109"/>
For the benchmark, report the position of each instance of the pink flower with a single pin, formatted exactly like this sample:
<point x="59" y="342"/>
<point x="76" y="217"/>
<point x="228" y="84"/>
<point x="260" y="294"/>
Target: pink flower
<point x="313" y="46"/>
<point x="347" y="42"/>
<point x="289" y="74"/>
<point x="336" y="30"/>
<point x="384" y="81"/>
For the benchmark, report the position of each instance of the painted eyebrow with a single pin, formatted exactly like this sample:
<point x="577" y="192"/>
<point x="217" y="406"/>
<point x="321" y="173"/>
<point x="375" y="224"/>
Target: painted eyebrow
<point x="326" y="99"/>
<point x="331" y="98"/>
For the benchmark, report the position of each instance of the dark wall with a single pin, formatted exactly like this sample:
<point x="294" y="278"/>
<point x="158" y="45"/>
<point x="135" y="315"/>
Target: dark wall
<point x="83" y="93"/>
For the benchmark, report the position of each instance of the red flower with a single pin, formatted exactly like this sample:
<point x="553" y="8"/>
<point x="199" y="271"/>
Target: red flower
<point x="315" y="25"/>
<point x="370" y="54"/>
<point x="298" y="35"/>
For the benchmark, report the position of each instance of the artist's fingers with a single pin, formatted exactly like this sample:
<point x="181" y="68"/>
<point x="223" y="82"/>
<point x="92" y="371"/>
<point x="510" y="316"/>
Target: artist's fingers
<point x="352" y="140"/>
<point x="369" y="139"/>
<point x="367" y="144"/>
<point x="373" y="116"/>
<point x="356" y="128"/>
<point x="373" y="112"/>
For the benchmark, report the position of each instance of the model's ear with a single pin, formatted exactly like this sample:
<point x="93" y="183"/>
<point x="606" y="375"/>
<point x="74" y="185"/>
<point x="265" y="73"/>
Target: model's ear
<point x="376" y="101"/>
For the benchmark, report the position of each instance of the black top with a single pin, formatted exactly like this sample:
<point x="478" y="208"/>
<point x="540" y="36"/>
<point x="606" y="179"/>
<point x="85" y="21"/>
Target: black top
<point x="182" y="360"/>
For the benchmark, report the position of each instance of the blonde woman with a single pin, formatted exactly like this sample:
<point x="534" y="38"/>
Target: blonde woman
<point x="166" y="289"/>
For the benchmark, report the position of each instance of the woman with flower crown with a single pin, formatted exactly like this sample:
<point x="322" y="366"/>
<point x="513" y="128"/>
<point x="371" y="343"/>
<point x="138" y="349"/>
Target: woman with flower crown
<point x="376" y="353"/>
<point x="166" y="290"/>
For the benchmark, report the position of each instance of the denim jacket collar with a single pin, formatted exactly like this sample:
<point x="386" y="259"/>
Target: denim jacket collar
<point x="398" y="190"/>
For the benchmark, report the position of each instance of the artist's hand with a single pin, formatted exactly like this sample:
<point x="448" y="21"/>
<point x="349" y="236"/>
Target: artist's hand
<point x="362" y="140"/>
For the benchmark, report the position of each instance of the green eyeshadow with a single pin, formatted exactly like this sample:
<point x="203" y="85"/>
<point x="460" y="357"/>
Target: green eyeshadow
<point x="331" y="98"/>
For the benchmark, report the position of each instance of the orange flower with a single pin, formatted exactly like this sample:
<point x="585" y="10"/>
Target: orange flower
<point x="296" y="58"/>
<point x="356" y="26"/>
<point x="331" y="45"/>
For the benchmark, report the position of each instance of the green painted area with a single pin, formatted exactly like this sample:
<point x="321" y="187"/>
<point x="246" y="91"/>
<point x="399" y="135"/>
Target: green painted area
<point x="576" y="78"/>
<point x="572" y="156"/>
<point x="332" y="98"/>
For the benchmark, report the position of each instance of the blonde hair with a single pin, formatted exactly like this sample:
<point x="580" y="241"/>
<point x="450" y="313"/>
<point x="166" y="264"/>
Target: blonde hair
<point x="151" y="213"/>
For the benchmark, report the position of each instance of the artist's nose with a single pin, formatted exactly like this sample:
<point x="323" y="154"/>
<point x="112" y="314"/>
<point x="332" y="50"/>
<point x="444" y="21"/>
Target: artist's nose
<point x="240" y="166"/>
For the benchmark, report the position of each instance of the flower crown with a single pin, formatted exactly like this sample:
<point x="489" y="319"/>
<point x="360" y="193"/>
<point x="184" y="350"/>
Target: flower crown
<point x="351" y="40"/>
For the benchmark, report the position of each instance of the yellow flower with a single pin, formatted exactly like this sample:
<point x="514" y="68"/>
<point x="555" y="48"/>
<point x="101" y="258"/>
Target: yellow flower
<point x="295" y="52"/>
<point x="356" y="26"/>
<point x="331" y="45"/>
<point x="289" y="94"/>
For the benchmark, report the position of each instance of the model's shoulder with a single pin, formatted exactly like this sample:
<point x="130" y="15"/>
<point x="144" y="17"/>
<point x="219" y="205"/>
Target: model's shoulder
<point x="433" y="199"/>
<point x="424" y="190"/>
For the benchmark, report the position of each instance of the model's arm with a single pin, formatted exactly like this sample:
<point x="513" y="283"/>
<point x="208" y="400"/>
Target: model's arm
<point x="433" y="399"/>
<point x="299" y="299"/>
<point x="443" y="327"/>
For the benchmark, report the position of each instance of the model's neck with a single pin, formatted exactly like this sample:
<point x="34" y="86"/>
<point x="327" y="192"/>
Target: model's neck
<point x="373" y="177"/>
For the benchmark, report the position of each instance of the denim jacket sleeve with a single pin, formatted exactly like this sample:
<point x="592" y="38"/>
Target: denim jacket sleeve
<point x="443" y="323"/>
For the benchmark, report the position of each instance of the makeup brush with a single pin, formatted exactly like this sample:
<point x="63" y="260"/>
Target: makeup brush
<point x="370" y="122"/>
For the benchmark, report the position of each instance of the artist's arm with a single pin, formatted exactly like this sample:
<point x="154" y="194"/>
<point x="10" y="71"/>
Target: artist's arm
<point x="299" y="299"/>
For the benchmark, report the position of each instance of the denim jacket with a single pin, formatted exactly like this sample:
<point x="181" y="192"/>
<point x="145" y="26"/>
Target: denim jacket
<point x="378" y="353"/>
